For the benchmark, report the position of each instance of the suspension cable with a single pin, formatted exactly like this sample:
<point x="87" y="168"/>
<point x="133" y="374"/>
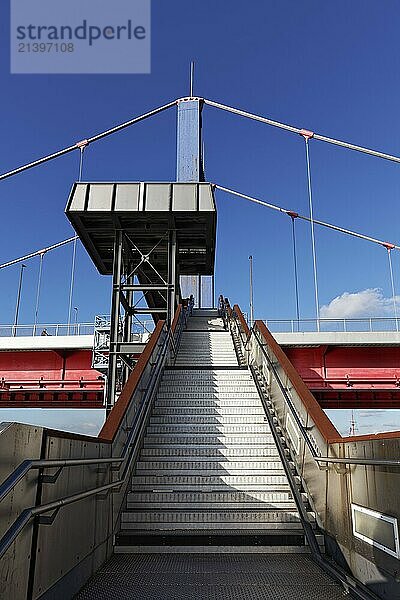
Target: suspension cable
<point x="389" y="249"/>
<point x="290" y="128"/>
<point x="87" y="141"/>
<point x="296" y="279"/>
<point x="304" y="218"/>
<point x="39" y="284"/>
<point x="38" y="252"/>
<point x="71" y="286"/>
<point x="314" y="254"/>
<point x="82" y="147"/>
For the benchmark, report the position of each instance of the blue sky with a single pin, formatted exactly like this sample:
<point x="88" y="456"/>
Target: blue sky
<point x="332" y="67"/>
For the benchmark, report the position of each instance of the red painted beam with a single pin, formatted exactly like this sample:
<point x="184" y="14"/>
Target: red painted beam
<point x="350" y="377"/>
<point x="383" y="399"/>
<point x="50" y="379"/>
<point x="43" y="398"/>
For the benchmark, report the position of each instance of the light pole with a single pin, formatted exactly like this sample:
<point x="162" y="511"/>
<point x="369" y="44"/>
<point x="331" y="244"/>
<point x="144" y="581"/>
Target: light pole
<point x="21" y="273"/>
<point x="76" y="319"/>
<point x="251" y="292"/>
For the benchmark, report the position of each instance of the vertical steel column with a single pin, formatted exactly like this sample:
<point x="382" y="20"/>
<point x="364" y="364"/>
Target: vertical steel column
<point x="189" y="159"/>
<point x="114" y="325"/>
<point x="199" y="291"/>
<point x="128" y="318"/>
<point x="172" y="274"/>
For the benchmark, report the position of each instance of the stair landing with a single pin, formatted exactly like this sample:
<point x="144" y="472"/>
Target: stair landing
<point x="211" y="577"/>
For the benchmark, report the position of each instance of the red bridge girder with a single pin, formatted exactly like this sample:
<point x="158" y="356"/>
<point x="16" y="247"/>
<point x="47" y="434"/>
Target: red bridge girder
<point x="383" y="399"/>
<point x="31" y="398"/>
<point x="350" y="377"/>
<point x="50" y="379"/>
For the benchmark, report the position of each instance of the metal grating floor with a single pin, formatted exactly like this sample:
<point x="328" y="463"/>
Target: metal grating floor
<point x="210" y="577"/>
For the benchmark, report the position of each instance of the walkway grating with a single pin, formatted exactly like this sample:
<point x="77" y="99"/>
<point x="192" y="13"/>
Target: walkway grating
<point x="211" y="577"/>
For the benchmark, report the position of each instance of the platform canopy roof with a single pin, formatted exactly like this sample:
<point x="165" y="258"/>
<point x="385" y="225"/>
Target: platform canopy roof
<point x="145" y="212"/>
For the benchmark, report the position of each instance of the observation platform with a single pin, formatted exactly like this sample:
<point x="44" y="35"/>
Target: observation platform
<point x="146" y="211"/>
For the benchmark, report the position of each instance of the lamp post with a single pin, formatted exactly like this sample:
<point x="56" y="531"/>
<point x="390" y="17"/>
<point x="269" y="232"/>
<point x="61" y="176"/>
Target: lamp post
<point x="21" y="273"/>
<point x="76" y="319"/>
<point x="251" y="292"/>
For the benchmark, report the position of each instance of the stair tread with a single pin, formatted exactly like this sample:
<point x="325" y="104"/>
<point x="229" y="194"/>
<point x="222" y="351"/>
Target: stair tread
<point x="208" y="462"/>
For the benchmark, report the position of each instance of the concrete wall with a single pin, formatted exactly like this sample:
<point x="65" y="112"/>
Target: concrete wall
<point x="53" y="561"/>
<point x="16" y="443"/>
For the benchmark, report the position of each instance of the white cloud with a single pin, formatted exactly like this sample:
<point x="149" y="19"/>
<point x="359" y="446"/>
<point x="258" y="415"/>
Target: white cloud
<point x="354" y="305"/>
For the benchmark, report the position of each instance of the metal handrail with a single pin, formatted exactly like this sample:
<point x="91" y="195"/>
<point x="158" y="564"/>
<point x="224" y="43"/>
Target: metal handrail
<point x="348" y="581"/>
<point x="359" y="590"/>
<point x="64" y="329"/>
<point x="320" y="460"/>
<point x="345" y="324"/>
<point x="129" y="451"/>
<point x="34" y="330"/>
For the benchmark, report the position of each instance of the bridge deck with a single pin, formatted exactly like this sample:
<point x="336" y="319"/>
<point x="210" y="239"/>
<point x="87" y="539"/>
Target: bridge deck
<point x="210" y="577"/>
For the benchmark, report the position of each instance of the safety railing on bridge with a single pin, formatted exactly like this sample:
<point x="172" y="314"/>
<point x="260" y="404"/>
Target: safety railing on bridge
<point x="58" y="517"/>
<point x="371" y="324"/>
<point x="61" y="329"/>
<point x="353" y="483"/>
<point x="54" y="329"/>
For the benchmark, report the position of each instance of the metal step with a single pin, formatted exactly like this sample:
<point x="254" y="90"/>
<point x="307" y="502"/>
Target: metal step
<point x="200" y="395"/>
<point x="128" y="522"/>
<point x="208" y="419"/>
<point x="208" y="387"/>
<point x="214" y="350"/>
<point x="212" y="389"/>
<point x="209" y="483"/>
<point x="217" y="352"/>
<point x="124" y="547"/>
<point x="212" y="500"/>
<point x="207" y="453"/>
<point x="191" y="362"/>
<point x="209" y="374"/>
<point x="215" y="403"/>
<point x="210" y="429"/>
<point x="206" y="381"/>
<point x="213" y="374"/>
<point x="197" y="350"/>
<point x="205" y="347"/>
<point x="221" y="441"/>
<point x="206" y="338"/>
<point x="224" y="466"/>
<point x="205" y="517"/>
<point x="207" y="411"/>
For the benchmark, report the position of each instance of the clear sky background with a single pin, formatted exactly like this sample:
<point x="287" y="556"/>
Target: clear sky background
<point x="332" y="67"/>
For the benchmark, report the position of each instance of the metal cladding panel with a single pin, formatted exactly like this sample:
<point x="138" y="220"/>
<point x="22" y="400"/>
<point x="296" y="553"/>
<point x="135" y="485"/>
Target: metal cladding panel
<point x="157" y="197"/>
<point x="206" y="199"/>
<point x="100" y="197"/>
<point x="77" y="197"/>
<point x="184" y="197"/>
<point x="127" y="197"/>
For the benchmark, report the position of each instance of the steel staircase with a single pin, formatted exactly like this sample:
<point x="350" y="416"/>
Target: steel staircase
<point x="209" y="472"/>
